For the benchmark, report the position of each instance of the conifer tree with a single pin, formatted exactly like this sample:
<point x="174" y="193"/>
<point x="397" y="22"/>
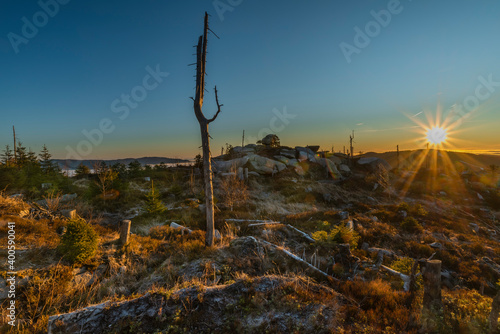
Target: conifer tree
<point x="46" y="161"/>
<point x="153" y="202"/>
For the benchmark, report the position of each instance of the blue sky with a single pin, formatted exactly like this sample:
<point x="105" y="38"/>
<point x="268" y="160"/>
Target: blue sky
<point x="273" y="57"/>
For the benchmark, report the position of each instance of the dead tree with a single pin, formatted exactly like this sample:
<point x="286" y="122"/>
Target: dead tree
<point x="15" y="148"/>
<point x="201" y="60"/>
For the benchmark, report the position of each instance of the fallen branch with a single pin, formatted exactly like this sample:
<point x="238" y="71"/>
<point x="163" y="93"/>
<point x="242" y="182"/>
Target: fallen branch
<point x="490" y="263"/>
<point x="405" y="278"/>
<point x="182" y="228"/>
<point x="304" y="234"/>
<point x="260" y="224"/>
<point x="247" y="220"/>
<point x="296" y="258"/>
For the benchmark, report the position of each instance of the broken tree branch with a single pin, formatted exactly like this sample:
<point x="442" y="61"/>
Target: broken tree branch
<point x="218" y="107"/>
<point x="304" y="234"/>
<point x="298" y="259"/>
<point x="405" y="278"/>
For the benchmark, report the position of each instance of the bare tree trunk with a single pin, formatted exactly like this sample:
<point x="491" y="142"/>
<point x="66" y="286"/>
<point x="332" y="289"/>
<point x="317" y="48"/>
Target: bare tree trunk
<point x="201" y="56"/>
<point x="15" y="145"/>
<point x="209" y="189"/>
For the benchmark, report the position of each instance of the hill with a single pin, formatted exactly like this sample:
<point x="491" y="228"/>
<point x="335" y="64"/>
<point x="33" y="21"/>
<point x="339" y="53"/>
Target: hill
<point x="471" y="161"/>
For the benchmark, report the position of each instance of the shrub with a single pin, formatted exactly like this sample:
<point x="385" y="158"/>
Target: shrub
<point x="337" y="235"/>
<point x="404" y="266"/>
<point x="410" y="224"/>
<point x="153" y="203"/>
<point x="80" y="241"/>
<point x="403" y="207"/>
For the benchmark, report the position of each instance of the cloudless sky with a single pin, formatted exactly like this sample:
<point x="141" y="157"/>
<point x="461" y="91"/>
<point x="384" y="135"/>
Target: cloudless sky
<point x="272" y="57"/>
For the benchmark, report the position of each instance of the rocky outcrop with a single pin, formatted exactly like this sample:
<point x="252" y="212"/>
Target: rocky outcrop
<point x="229" y="165"/>
<point x="205" y="309"/>
<point x="264" y="165"/>
<point x="331" y="167"/>
<point x="305" y="153"/>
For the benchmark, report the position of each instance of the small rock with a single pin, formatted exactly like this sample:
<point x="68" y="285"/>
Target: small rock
<point x="475" y="227"/>
<point x="61" y="230"/>
<point x="480" y="197"/>
<point x="217" y="235"/>
<point x="71" y="214"/>
<point x="344" y="215"/>
<point x="403" y="214"/>
<point x="436" y="245"/>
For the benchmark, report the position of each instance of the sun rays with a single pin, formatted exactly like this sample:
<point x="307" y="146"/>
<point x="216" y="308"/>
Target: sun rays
<point x="431" y="169"/>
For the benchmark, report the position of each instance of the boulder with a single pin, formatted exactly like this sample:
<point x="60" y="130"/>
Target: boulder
<point x="344" y="168"/>
<point x="68" y="197"/>
<point x="282" y="159"/>
<point x="271" y="140"/>
<point x="244" y="150"/>
<point x="300" y="171"/>
<point x="335" y="159"/>
<point x="375" y="163"/>
<point x="264" y="165"/>
<point x="287" y="161"/>
<point x="288" y="153"/>
<point x="331" y="167"/>
<point x="229" y="165"/>
<point x="305" y="153"/>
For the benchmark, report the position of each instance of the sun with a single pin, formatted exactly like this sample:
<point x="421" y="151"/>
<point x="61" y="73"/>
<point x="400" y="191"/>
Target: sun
<point x="437" y="135"/>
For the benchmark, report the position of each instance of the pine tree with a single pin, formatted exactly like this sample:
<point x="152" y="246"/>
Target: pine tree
<point x="82" y="171"/>
<point x="22" y="155"/>
<point x="45" y="161"/>
<point x="134" y="168"/>
<point x="153" y="202"/>
<point x="7" y="156"/>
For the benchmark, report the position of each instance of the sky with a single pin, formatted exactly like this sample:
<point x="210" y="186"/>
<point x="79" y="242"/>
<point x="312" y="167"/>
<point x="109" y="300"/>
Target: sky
<point x="106" y="79"/>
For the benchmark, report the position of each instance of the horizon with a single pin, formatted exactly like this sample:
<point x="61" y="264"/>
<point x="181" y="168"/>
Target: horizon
<point x="104" y="81"/>
<point x="476" y="152"/>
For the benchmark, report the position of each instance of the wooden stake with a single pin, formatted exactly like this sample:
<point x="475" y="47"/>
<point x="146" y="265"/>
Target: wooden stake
<point x="125" y="231"/>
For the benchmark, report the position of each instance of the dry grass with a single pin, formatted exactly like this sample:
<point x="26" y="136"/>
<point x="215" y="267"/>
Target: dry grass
<point x="11" y="205"/>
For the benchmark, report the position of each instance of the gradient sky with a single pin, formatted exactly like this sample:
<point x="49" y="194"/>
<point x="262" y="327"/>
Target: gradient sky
<point x="272" y="56"/>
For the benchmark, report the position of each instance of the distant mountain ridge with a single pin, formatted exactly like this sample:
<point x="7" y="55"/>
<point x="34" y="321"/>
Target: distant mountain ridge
<point x="73" y="164"/>
<point x="471" y="160"/>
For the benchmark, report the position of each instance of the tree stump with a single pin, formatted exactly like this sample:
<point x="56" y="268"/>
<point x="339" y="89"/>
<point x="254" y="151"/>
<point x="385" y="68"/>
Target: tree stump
<point x="432" y="306"/>
<point x="125" y="231"/>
